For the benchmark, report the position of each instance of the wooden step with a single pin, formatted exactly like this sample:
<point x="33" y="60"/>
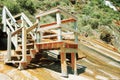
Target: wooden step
<point x="29" y="46"/>
<point x="19" y="51"/>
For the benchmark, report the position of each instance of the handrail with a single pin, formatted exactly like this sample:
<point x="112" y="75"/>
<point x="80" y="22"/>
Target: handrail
<point x="32" y="27"/>
<point x="17" y="31"/>
<point x="26" y="19"/>
<point x="9" y="14"/>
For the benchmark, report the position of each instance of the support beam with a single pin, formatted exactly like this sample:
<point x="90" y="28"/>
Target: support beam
<point x="9" y="46"/>
<point x="75" y="34"/>
<point x="58" y="18"/>
<point x="38" y="37"/>
<point x="24" y="36"/>
<point x="73" y="63"/>
<point x="63" y="64"/>
<point x="4" y="20"/>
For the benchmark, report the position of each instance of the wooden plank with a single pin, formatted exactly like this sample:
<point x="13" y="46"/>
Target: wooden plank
<point x="16" y="16"/>
<point x="32" y="27"/>
<point x="26" y="19"/>
<point x="9" y="45"/>
<point x="62" y="21"/>
<point x="63" y="64"/>
<point x="11" y="28"/>
<point x="49" y="36"/>
<point x="75" y="34"/>
<point x="55" y="10"/>
<point x="9" y="14"/>
<point x="50" y="27"/>
<point x="67" y="14"/>
<point x="47" y="12"/>
<point x="17" y="31"/>
<point x="73" y="63"/>
<point x="70" y="50"/>
<point x="58" y="18"/>
<point x="70" y="29"/>
<point x="24" y="36"/>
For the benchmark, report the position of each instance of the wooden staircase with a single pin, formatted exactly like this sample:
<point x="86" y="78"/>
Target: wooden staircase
<point x="29" y="39"/>
<point x="16" y="26"/>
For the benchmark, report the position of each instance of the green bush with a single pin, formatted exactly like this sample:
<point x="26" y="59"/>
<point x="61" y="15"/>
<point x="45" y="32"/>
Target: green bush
<point x="12" y="6"/>
<point x="27" y="5"/>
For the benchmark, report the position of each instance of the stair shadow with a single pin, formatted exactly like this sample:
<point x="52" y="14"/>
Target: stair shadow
<point x="45" y="61"/>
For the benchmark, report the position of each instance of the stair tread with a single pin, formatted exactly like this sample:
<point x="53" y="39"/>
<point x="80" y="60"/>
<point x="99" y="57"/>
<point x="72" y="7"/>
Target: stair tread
<point x="19" y="55"/>
<point x="17" y="61"/>
<point x="21" y="50"/>
<point x="29" y="44"/>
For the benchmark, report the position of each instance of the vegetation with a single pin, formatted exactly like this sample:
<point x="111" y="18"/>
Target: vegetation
<point x="93" y="15"/>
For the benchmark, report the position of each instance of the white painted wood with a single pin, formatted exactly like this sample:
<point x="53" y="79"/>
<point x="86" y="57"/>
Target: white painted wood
<point x="55" y="11"/>
<point x="24" y="36"/>
<point x="9" y="14"/>
<point x="26" y="19"/>
<point x="4" y="20"/>
<point x="9" y="46"/>
<point x="11" y="28"/>
<point x="38" y="37"/>
<point x="58" y="18"/>
<point x="75" y="34"/>
<point x="47" y="12"/>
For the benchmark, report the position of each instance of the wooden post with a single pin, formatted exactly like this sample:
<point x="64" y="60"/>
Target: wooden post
<point x="58" y="18"/>
<point x="24" y="36"/>
<point x="75" y="34"/>
<point x="38" y="34"/>
<point x="38" y="37"/>
<point x="22" y="23"/>
<point x="9" y="45"/>
<point x="73" y="63"/>
<point x="4" y="19"/>
<point x="16" y="38"/>
<point x="63" y="64"/>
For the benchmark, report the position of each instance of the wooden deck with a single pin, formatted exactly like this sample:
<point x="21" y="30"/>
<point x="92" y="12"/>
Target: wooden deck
<point x="64" y="48"/>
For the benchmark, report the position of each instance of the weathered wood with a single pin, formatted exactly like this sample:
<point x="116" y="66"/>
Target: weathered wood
<point x="16" y="16"/>
<point x="24" y="36"/>
<point x="11" y="28"/>
<point x="4" y="20"/>
<point x="70" y="29"/>
<point x="63" y="64"/>
<point x="9" y="14"/>
<point x="47" y="12"/>
<point x="73" y="63"/>
<point x="62" y="21"/>
<point x="55" y="11"/>
<point x="50" y="27"/>
<point x="38" y="37"/>
<point x="32" y="27"/>
<point x="9" y="45"/>
<point x="75" y="34"/>
<point x="26" y="19"/>
<point x="67" y="14"/>
<point x="70" y="50"/>
<point x="17" y="31"/>
<point x="58" y="18"/>
<point x="49" y="36"/>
